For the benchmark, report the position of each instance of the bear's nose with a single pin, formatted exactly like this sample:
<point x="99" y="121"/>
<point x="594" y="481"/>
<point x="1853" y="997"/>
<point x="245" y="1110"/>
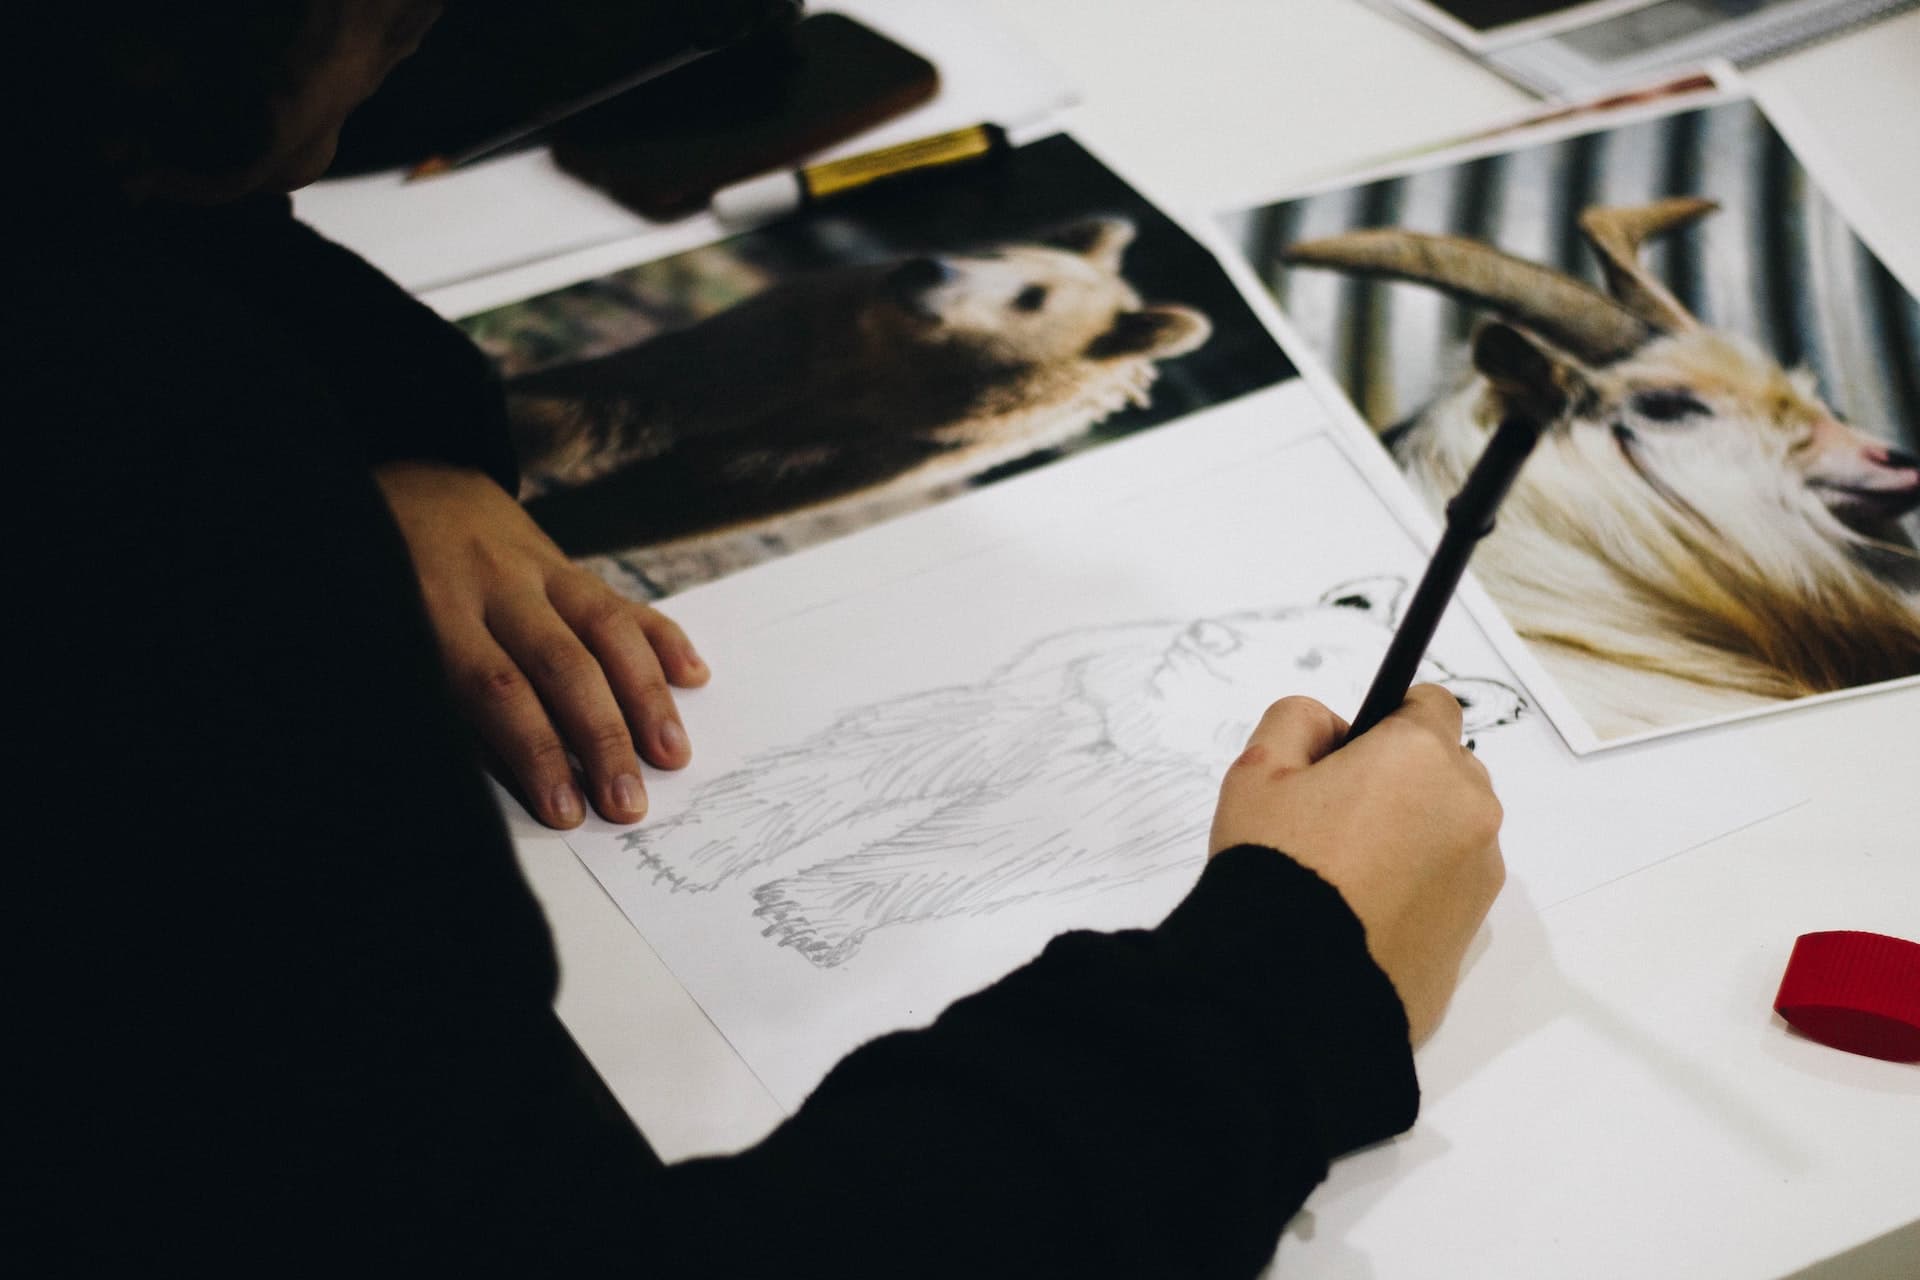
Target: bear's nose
<point x="917" y="275"/>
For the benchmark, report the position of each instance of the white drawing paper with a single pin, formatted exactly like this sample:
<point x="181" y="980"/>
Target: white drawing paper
<point x="929" y="748"/>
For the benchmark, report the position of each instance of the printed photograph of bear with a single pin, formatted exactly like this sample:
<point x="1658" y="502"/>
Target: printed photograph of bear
<point x="1724" y="519"/>
<point x="685" y="418"/>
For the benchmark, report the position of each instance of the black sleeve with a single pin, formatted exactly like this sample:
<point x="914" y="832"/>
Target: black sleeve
<point x="286" y="1000"/>
<point x="416" y="387"/>
<point x="409" y="384"/>
<point x="1152" y="1103"/>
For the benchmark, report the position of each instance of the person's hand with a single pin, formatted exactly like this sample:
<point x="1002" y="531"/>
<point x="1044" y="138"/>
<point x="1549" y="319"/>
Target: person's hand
<point x="1403" y="822"/>
<point x="543" y="656"/>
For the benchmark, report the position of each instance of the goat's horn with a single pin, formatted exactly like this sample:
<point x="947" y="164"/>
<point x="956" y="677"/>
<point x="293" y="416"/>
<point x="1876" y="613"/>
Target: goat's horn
<point x="1617" y="234"/>
<point x="1566" y="312"/>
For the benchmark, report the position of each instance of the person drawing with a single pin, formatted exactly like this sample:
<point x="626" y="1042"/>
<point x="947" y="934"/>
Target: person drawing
<point x="292" y="1008"/>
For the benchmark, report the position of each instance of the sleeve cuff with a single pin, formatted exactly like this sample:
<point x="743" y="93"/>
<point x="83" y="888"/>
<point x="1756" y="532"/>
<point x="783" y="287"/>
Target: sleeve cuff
<point x="1284" y="942"/>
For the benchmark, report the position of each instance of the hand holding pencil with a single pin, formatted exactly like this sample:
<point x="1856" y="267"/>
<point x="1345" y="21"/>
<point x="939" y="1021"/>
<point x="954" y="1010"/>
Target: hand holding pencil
<point x="1403" y="823"/>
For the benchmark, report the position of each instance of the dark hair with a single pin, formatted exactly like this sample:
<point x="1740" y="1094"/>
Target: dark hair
<point x="179" y="84"/>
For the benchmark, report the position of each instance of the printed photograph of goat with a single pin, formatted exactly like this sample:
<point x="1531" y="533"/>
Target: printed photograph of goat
<point x="1723" y="519"/>
<point x="689" y="417"/>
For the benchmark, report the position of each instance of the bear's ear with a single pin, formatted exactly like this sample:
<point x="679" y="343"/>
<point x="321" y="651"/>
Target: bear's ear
<point x="1153" y="332"/>
<point x="1485" y="704"/>
<point x="1099" y="240"/>
<point x="1212" y="637"/>
<point x="1379" y="597"/>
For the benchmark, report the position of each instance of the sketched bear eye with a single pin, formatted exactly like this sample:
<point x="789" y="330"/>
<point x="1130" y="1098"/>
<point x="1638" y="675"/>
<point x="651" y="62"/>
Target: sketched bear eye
<point x="1031" y="298"/>
<point x="1668" y="404"/>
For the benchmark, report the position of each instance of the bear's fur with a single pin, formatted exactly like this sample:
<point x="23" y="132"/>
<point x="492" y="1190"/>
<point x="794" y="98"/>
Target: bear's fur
<point x="844" y="384"/>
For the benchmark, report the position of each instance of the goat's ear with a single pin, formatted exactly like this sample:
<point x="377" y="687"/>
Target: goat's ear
<point x="1157" y="333"/>
<point x="1101" y="241"/>
<point x="1527" y="375"/>
<point x="1378" y="597"/>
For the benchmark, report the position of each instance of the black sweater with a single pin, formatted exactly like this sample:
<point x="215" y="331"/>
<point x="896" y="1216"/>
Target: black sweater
<point x="294" y="999"/>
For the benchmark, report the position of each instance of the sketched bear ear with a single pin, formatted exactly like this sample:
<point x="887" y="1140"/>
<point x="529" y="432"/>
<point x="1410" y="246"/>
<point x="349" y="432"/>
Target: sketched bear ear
<point x="1379" y="596"/>
<point x="1101" y="241"/>
<point x="1485" y="704"/>
<point x="1156" y="333"/>
<point x="1212" y="637"/>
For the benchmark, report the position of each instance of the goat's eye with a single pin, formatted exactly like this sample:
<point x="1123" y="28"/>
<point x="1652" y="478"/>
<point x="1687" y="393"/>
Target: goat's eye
<point x="1668" y="404"/>
<point x="1031" y="298"/>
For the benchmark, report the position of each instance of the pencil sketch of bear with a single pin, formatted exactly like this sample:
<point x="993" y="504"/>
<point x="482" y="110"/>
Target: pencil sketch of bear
<point x="1088" y="762"/>
<point x="845" y="384"/>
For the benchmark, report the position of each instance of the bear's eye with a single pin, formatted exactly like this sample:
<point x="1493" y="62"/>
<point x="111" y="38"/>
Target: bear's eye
<point x="1031" y="298"/>
<point x="1668" y="404"/>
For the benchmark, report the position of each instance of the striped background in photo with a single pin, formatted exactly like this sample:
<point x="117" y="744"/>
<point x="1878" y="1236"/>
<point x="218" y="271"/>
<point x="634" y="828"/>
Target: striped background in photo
<point x="1778" y="264"/>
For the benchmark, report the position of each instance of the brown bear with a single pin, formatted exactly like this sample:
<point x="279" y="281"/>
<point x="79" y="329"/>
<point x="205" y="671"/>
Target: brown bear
<point x="845" y="384"/>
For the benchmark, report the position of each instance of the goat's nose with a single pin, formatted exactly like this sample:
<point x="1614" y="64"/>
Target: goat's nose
<point x="917" y="275"/>
<point x="1900" y="460"/>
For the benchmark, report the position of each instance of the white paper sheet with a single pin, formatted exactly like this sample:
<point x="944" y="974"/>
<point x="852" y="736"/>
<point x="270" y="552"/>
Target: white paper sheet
<point x="816" y="880"/>
<point x="1577" y="49"/>
<point x="1550" y="20"/>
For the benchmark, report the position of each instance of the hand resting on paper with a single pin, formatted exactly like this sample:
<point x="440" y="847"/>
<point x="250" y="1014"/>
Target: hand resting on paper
<point x="543" y="657"/>
<point x="1403" y="823"/>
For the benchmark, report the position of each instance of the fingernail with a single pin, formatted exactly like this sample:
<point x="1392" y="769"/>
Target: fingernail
<point x="672" y="739"/>
<point x="629" y="795"/>
<point x="567" y="806"/>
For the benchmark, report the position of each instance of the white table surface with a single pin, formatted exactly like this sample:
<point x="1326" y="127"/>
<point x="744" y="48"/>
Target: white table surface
<point x="1610" y="1095"/>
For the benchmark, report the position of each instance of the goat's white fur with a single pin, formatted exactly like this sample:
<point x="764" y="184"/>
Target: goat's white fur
<point x="1652" y="612"/>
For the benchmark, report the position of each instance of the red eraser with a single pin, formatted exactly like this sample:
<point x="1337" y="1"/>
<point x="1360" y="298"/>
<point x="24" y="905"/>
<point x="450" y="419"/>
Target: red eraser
<point x="1854" y="991"/>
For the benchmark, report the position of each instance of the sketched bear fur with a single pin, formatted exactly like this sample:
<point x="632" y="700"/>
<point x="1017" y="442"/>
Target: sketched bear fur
<point x="1088" y="762"/>
<point x="847" y="382"/>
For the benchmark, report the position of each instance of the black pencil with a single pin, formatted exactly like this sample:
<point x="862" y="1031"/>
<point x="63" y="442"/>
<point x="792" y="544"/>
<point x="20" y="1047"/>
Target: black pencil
<point x="1469" y="519"/>
<point x="434" y="166"/>
<point x="717" y="31"/>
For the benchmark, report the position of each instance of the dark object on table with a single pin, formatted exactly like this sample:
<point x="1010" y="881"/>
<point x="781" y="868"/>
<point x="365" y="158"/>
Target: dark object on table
<point x="666" y="147"/>
<point x="489" y="67"/>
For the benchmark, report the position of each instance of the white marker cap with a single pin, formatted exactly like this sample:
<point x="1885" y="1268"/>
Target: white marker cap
<point x="757" y="200"/>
